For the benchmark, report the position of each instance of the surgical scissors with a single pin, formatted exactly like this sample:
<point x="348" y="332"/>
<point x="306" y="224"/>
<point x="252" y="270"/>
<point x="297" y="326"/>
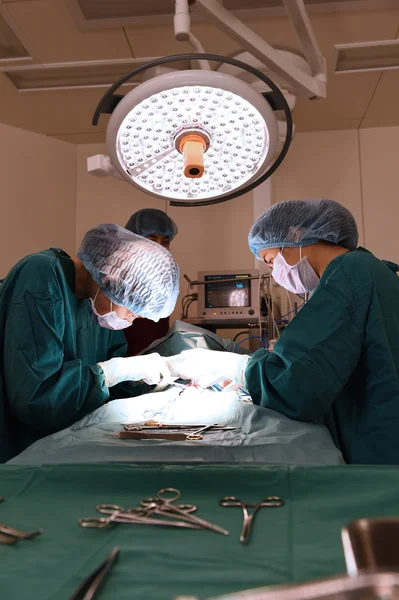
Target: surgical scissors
<point x="160" y="504"/>
<point x="138" y="516"/>
<point x="269" y="502"/>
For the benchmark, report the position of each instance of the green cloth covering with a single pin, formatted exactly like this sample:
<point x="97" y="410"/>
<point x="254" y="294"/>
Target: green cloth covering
<point x="338" y="360"/>
<point x="49" y="377"/>
<point x="298" y="542"/>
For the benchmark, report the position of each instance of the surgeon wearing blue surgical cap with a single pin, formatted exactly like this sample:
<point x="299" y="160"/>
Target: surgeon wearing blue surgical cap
<point x="157" y="226"/>
<point x="61" y="331"/>
<point x="337" y="362"/>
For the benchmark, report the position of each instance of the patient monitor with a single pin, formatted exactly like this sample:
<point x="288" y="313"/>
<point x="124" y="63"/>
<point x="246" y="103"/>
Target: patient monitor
<point x="228" y="295"/>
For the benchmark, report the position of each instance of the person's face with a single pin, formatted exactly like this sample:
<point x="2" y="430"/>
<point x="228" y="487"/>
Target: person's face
<point x="160" y="239"/>
<point x="291" y="255"/>
<point x="103" y="306"/>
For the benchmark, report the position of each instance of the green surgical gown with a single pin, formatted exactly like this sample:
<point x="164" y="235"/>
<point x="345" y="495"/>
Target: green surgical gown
<point x="338" y="360"/>
<point x="50" y="347"/>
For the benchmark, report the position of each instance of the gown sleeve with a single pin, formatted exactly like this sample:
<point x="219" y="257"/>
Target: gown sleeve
<point x="46" y="391"/>
<point x="313" y="359"/>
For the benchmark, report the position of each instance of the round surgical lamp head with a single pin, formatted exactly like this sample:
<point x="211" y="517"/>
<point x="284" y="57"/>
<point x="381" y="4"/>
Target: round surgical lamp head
<point x="194" y="137"/>
<point x="230" y="127"/>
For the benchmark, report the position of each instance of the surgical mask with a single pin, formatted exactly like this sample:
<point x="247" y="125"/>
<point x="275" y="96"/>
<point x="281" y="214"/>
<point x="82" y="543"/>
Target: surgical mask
<point x="298" y="279"/>
<point x="109" y="320"/>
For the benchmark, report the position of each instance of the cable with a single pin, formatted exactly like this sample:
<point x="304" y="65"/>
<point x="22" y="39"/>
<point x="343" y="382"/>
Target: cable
<point x="238" y="335"/>
<point x="260" y="304"/>
<point x="293" y="310"/>
<point x="189" y="303"/>
<point x="185" y="303"/>
<point x="250" y="337"/>
<point x="283" y="320"/>
<point x="289" y="298"/>
<point x="184" y="297"/>
<point x="268" y="302"/>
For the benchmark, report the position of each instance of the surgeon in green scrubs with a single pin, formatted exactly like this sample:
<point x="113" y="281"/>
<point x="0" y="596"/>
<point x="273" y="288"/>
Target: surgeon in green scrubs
<point x="337" y="362"/>
<point x="61" y="322"/>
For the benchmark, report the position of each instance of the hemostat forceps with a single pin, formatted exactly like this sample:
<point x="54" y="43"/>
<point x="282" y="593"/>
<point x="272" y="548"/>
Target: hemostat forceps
<point x="269" y="502"/>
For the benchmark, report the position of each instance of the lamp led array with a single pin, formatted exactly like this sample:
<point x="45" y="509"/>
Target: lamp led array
<point x="231" y="128"/>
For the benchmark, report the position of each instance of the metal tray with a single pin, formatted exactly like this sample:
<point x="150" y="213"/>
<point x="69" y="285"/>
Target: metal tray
<point x="371" y="544"/>
<point x="365" y="586"/>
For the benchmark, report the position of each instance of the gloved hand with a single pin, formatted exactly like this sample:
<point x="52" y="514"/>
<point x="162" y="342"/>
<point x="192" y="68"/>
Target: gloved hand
<point x="151" y="369"/>
<point x="205" y="367"/>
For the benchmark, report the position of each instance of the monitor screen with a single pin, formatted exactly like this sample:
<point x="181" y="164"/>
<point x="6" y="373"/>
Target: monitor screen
<point x="222" y="292"/>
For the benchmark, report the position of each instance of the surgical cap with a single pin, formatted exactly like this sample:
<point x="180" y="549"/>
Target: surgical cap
<point x="131" y="271"/>
<point x="151" y="221"/>
<point x="297" y="223"/>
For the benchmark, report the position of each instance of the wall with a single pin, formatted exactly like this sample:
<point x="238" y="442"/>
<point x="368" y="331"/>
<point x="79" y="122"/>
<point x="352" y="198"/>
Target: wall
<point x="358" y="168"/>
<point x="322" y="165"/>
<point x="380" y="177"/>
<point x="213" y="237"/>
<point x="38" y="200"/>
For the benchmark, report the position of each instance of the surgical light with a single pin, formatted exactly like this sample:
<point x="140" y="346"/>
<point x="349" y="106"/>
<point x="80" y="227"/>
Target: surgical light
<point x="194" y="137"/>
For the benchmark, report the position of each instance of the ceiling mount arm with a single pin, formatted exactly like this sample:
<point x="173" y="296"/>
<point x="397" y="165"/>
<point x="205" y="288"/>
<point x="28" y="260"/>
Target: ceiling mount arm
<point x="300" y="20"/>
<point x="306" y="85"/>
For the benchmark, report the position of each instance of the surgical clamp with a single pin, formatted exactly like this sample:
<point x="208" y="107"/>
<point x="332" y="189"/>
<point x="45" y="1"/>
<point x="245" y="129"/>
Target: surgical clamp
<point x="269" y="502"/>
<point x="138" y="516"/>
<point x="165" y="505"/>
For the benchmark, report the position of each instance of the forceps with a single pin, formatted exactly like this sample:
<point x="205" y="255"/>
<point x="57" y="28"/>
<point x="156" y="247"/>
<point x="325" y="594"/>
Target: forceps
<point x="10" y="535"/>
<point x="269" y="502"/>
<point x="161" y="504"/>
<point x="91" y="584"/>
<point x="138" y="516"/>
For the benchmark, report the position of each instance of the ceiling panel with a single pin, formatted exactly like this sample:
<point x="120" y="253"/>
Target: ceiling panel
<point x="56" y="112"/>
<point x="90" y="14"/>
<point x="367" y="56"/>
<point x="67" y="114"/>
<point x="348" y="95"/>
<point x="82" y="138"/>
<point x="160" y="40"/>
<point x="53" y="36"/>
<point x="84" y="74"/>
<point x="384" y="105"/>
<point x="12" y="46"/>
<point x="104" y="9"/>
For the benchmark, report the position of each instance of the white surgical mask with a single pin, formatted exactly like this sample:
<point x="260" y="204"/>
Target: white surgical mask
<point x="298" y="279"/>
<point x="109" y="320"/>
